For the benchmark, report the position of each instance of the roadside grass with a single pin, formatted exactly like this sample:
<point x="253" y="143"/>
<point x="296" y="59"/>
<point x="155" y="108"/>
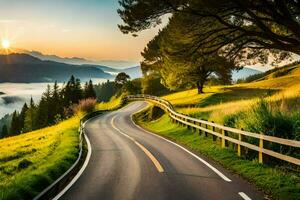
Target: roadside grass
<point x="274" y="181"/>
<point x="32" y="161"/>
<point x="220" y="102"/>
<point x="110" y="105"/>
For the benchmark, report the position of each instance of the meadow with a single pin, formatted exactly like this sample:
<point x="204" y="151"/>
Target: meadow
<point x="274" y="97"/>
<point x="32" y="161"/>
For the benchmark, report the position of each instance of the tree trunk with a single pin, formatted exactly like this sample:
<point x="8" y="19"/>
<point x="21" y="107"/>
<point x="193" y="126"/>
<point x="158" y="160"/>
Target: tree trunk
<point x="200" y="87"/>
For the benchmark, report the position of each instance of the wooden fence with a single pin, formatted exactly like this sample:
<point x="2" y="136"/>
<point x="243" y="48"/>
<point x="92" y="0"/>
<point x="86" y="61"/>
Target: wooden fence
<point x="227" y="134"/>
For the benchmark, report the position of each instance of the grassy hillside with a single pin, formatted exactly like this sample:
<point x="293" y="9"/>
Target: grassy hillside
<point x="280" y="89"/>
<point x="31" y="161"/>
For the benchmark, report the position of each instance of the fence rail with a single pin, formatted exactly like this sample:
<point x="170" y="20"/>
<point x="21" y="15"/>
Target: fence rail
<point x="63" y="180"/>
<point x="238" y="135"/>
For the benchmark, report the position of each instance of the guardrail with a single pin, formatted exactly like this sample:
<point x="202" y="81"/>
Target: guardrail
<point x="226" y="134"/>
<point x="63" y="180"/>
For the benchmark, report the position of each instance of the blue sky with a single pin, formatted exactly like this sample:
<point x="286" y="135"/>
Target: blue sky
<point x="82" y="28"/>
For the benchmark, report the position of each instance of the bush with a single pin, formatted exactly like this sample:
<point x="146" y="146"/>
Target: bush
<point x="86" y="105"/>
<point x="24" y="164"/>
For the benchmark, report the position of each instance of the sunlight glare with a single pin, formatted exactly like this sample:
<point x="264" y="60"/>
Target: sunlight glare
<point x="5" y="43"/>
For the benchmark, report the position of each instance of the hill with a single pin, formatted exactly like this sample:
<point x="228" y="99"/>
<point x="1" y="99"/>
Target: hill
<point x="23" y="68"/>
<point x="280" y="88"/>
<point x="80" y="61"/>
<point x="32" y="161"/>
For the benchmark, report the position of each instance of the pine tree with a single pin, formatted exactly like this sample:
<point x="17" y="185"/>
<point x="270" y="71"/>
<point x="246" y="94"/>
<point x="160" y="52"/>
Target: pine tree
<point x="4" y="131"/>
<point x="77" y="92"/>
<point x="89" y="91"/>
<point x="42" y="113"/>
<point x="30" y="117"/>
<point x="14" y="127"/>
<point x="56" y="103"/>
<point x="22" y="117"/>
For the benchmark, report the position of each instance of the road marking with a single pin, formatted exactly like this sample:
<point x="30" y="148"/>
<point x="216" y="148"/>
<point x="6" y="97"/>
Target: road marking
<point x="153" y="159"/>
<point x="88" y="156"/>
<point x="146" y="151"/>
<point x="244" y="196"/>
<point x="225" y="178"/>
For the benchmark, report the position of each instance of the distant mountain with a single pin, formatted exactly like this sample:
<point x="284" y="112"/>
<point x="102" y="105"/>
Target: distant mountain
<point x="80" y="61"/>
<point x="23" y="68"/>
<point x="111" y="67"/>
<point x="243" y="73"/>
<point x="133" y="72"/>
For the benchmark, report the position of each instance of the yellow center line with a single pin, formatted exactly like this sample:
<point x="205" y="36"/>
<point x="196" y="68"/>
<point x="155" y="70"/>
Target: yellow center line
<point x="146" y="151"/>
<point x="152" y="158"/>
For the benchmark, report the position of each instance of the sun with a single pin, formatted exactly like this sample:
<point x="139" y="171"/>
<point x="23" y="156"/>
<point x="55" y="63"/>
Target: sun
<point x="5" y="43"/>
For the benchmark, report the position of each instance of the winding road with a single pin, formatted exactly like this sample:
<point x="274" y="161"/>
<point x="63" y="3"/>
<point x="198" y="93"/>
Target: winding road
<point x="128" y="162"/>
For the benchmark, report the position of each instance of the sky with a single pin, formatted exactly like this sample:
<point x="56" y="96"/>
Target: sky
<point x="70" y="28"/>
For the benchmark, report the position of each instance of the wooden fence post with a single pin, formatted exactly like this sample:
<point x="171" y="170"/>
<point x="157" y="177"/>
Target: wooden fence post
<point x="239" y="146"/>
<point x="224" y="142"/>
<point x="206" y="126"/>
<point x="200" y="131"/>
<point x="213" y="129"/>
<point x="261" y="146"/>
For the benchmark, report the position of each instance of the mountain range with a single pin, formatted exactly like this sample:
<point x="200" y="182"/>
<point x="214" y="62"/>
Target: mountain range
<point x="119" y="64"/>
<point x="34" y="66"/>
<point x="24" y="68"/>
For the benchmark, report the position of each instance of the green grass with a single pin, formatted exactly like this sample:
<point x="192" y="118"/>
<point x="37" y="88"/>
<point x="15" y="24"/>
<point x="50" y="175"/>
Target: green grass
<point x="110" y="105"/>
<point x="276" y="182"/>
<point x="32" y="161"/>
<point x="220" y="102"/>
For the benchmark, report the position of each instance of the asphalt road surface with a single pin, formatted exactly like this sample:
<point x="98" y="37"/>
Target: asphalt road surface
<point x="128" y="162"/>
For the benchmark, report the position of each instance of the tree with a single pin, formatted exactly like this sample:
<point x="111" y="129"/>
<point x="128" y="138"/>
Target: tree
<point x="56" y="105"/>
<point x="105" y="91"/>
<point x="4" y="131"/>
<point x="72" y="92"/>
<point x="178" y="67"/>
<point x="22" y="117"/>
<point x="151" y="84"/>
<point x="89" y="91"/>
<point x="121" y="79"/>
<point x="241" y="30"/>
<point x="14" y="127"/>
<point x="30" y="117"/>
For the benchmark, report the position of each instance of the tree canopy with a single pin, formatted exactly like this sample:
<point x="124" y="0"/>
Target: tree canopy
<point x="241" y="30"/>
<point x="167" y="55"/>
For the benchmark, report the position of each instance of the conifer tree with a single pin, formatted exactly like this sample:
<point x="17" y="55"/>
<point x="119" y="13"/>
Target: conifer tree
<point x="89" y="91"/>
<point x="4" y="131"/>
<point x="30" y="117"/>
<point x="56" y="106"/>
<point x="22" y="117"/>
<point x="14" y="128"/>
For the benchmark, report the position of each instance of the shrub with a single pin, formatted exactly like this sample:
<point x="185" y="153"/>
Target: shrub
<point x="24" y="164"/>
<point x="86" y="105"/>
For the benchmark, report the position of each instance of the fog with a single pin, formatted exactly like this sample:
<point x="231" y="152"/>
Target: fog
<point x="16" y="94"/>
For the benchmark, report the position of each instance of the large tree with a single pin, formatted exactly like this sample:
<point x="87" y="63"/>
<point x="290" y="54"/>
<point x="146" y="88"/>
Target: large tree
<point x="243" y="30"/>
<point x="121" y="79"/>
<point x="168" y="55"/>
